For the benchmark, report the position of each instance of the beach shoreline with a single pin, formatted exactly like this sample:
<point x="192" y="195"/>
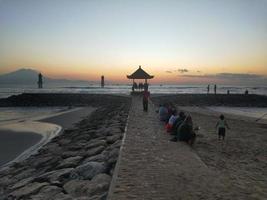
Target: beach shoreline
<point x="47" y="127"/>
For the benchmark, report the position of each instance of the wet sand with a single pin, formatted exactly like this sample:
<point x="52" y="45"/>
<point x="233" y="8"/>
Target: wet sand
<point x="15" y="142"/>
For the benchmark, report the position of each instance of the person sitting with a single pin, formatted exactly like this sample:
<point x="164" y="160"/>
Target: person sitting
<point x="171" y="121"/>
<point x="185" y="131"/>
<point x="163" y="113"/>
<point x="177" y="124"/>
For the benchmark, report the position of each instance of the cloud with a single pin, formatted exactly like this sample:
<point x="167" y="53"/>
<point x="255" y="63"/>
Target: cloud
<point x="182" y="70"/>
<point x="230" y="78"/>
<point x="227" y="76"/>
<point x="168" y="71"/>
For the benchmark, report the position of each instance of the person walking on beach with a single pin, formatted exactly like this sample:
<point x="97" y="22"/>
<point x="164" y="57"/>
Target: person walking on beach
<point x="208" y="89"/>
<point x="215" y="89"/>
<point x="221" y="127"/>
<point x="146" y="96"/>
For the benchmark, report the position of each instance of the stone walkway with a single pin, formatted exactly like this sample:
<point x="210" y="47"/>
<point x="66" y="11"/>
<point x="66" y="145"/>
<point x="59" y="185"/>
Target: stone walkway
<point x="151" y="167"/>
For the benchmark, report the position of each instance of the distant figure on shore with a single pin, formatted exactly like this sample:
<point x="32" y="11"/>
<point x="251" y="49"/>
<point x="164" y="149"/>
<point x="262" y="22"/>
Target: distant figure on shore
<point x="221" y="127"/>
<point x="228" y="92"/>
<point x="246" y="92"/>
<point x="40" y="81"/>
<point x="102" y="81"/>
<point x="215" y="89"/>
<point x="208" y="89"/>
<point x="146" y="96"/>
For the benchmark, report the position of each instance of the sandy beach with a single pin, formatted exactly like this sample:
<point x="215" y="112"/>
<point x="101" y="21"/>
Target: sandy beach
<point x="241" y="159"/>
<point x="81" y="162"/>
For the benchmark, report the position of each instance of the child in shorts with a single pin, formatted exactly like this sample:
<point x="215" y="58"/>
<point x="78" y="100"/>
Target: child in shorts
<point x="221" y="127"/>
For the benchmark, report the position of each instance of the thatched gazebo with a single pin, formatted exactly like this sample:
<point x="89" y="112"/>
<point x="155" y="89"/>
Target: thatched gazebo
<point x="140" y="74"/>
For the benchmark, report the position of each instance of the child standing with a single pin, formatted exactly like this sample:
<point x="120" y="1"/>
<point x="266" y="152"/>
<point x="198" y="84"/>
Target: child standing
<point x="220" y="126"/>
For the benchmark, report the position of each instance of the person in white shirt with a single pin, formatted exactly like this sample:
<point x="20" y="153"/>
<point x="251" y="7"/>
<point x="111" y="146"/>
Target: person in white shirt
<point x="221" y="127"/>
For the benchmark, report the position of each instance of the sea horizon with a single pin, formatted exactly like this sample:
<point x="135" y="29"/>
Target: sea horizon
<point x="119" y="88"/>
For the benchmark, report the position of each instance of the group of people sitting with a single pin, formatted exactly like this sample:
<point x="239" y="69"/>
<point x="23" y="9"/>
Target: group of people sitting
<point x="177" y="124"/>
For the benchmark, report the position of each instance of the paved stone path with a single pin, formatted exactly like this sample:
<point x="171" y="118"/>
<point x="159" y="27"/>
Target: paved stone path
<point x="151" y="167"/>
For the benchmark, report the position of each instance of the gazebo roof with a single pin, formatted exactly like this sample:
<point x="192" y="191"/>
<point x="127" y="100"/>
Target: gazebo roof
<point x="140" y="74"/>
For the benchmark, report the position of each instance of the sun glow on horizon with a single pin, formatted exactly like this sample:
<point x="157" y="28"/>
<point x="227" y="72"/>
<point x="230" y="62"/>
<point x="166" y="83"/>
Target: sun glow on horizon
<point x="88" y="39"/>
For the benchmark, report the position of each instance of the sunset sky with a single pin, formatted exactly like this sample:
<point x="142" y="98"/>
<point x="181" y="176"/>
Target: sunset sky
<point x="198" y="41"/>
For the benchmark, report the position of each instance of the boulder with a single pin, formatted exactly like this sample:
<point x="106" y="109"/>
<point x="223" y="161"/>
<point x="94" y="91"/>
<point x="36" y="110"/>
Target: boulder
<point x="113" y="156"/>
<point x="47" y="193"/>
<point x="97" y="158"/>
<point x="79" y="188"/>
<point x="25" y="174"/>
<point x="27" y="190"/>
<point x="76" y="187"/>
<point x="95" y="143"/>
<point x="70" y="162"/>
<point x="67" y="154"/>
<point x="22" y="183"/>
<point x="56" y="175"/>
<point x="94" y="151"/>
<point x="113" y="138"/>
<point x="88" y="170"/>
<point x="63" y="141"/>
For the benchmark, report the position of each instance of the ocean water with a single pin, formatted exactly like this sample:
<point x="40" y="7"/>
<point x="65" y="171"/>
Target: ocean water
<point x="7" y="90"/>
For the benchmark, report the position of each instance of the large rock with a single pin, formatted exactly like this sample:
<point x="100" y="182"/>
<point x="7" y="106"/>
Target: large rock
<point x="79" y="188"/>
<point x="96" y="143"/>
<point x="41" y="161"/>
<point x="113" y="138"/>
<point x="76" y="187"/>
<point x="97" y="158"/>
<point x="94" y="151"/>
<point x="99" y="184"/>
<point x="56" y="175"/>
<point x="25" y="174"/>
<point x="113" y="156"/>
<point x="68" y="154"/>
<point x="27" y="190"/>
<point x="70" y="162"/>
<point x="22" y="183"/>
<point x="47" y="193"/>
<point x="88" y="170"/>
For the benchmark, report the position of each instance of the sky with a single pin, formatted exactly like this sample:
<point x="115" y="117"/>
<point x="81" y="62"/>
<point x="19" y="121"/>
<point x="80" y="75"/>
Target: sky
<point x="200" y="41"/>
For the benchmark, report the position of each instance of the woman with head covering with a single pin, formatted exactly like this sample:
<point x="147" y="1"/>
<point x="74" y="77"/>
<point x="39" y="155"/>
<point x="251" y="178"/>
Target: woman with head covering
<point x="185" y="131"/>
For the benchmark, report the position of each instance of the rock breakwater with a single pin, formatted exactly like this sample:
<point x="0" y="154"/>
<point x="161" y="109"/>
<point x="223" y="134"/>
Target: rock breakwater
<point x="77" y="164"/>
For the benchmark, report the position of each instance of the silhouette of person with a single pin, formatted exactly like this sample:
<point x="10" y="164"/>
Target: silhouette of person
<point x="40" y="80"/>
<point x="215" y="89"/>
<point x="208" y="89"/>
<point x="146" y="96"/>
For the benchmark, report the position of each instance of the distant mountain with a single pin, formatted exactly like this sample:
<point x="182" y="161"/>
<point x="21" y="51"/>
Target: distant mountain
<point x="30" y="77"/>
